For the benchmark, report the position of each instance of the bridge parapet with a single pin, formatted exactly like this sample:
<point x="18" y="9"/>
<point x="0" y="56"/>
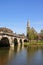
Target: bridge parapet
<point x="11" y="37"/>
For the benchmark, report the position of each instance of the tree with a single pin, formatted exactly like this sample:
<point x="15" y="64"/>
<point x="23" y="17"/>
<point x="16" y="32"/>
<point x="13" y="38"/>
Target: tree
<point x="41" y="33"/>
<point x="32" y="34"/>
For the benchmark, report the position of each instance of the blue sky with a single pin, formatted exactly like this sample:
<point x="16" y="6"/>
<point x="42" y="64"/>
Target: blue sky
<point x="15" y="13"/>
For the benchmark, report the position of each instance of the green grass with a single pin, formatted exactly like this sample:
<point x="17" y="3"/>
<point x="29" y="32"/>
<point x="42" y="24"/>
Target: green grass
<point x="33" y="43"/>
<point x="40" y="42"/>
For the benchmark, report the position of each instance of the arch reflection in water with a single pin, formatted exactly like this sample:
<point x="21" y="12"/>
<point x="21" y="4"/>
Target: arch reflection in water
<point x="15" y="42"/>
<point x="20" y="42"/>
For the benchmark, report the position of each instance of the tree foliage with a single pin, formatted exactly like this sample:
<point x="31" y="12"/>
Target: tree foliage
<point x="32" y="34"/>
<point x="41" y="33"/>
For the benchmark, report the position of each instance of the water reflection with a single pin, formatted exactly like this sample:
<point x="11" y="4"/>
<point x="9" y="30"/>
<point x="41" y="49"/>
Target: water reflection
<point x="4" y="54"/>
<point x="7" y="54"/>
<point x="35" y="56"/>
<point x="21" y="56"/>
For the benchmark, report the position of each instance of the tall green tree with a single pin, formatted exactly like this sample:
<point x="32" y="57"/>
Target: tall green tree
<point x="32" y="34"/>
<point x="41" y="33"/>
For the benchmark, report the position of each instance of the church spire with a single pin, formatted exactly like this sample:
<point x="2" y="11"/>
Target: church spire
<point x="28" y="26"/>
<point x="28" y="23"/>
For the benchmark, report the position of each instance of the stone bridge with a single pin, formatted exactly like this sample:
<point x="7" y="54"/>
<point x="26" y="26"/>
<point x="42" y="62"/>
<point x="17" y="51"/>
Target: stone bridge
<point x="12" y="37"/>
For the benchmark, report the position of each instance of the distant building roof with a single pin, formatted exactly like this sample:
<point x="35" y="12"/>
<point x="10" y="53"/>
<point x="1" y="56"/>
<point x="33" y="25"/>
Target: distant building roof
<point x="21" y="35"/>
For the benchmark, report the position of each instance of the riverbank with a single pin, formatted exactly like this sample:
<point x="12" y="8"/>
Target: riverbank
<point x="34" y="44"/>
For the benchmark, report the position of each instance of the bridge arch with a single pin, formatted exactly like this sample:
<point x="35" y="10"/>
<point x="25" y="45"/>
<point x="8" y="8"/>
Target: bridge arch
<point x="25" y="40"/>
<point x="21" y="42"/>
<point x="4" y="42"/>
<point x="15" y="42"/>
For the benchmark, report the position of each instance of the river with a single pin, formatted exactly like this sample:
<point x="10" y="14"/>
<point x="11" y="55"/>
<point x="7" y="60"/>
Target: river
<point x="21" y="56"/>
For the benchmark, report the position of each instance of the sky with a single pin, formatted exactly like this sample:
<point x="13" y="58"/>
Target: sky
<point x="14" y="14"/>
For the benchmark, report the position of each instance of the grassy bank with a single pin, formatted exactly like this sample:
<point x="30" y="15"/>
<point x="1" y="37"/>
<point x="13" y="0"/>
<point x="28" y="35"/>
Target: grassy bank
<point x="34" y="43"/>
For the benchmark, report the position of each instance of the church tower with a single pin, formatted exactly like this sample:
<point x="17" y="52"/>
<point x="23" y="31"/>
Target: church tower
<point x="28" y="26"/>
